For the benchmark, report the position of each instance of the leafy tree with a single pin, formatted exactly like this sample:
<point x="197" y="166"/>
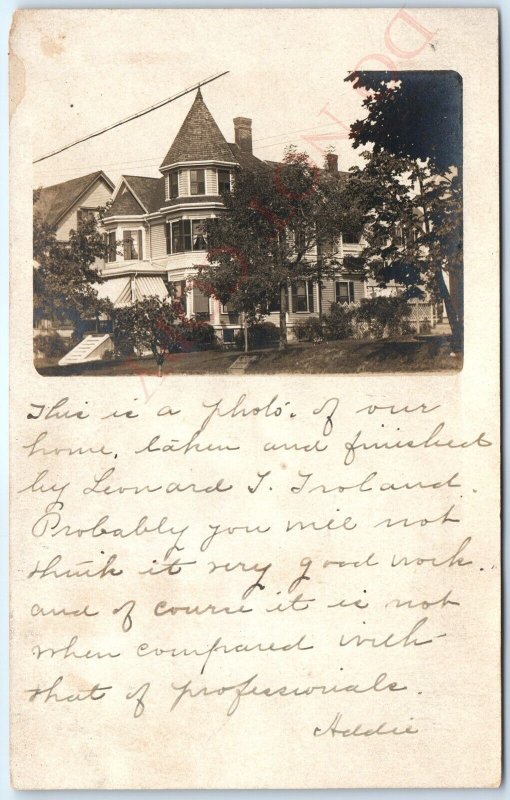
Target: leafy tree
<point x="414" y="114"/>
<point x="413" y="228"/>
<point x="278" y="228"/>
<point x="64" y="272"/>
<point x="147" y="324"/>
<point x="411" y="185"/>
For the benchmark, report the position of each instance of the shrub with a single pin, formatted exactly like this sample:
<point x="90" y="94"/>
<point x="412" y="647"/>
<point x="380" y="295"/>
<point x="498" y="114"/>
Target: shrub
<point x="195" y="335"/>
<point x="338" y="323"/>
<point x="310" y="330"/>
<point x="52" y="346"/>
<point x="262" y="334"/>
<point x="108" y="355"/>
<point x="382" y="315"/>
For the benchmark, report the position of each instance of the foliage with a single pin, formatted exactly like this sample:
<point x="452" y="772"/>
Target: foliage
<point x="279" y="226"/>
<point x="145" y="325"/>
<point x="383" y="316"/>
<point x="412" y="114"/>
<point x="193" y="334"/>
<point x="260" y="335"/>
<point x="52" y="345"/>
<point x="309" y="330"/>
<point x="411" y="186"/>
<point x="338" y="323"/>
<point x="64" y="273"/>
<point x="108" y="355"/>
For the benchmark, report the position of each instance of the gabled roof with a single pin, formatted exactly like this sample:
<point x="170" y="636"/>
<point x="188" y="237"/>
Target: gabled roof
<point x="137" y="194"/>
<point x="55" y="201"/>
<point x="248" y="160"/>
<point x="199" y="138"/>
<point x="149" y="191"/>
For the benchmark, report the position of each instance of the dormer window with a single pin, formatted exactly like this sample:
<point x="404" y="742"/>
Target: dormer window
<point x="223" y="181"/>
<point x="173" y="181"/>
<point x="132" y="245"/>
<point x="197" y="181"/>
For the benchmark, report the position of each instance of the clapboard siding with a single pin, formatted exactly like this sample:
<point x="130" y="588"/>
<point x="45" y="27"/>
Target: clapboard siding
<point x="184" y="182"/>
<point x="158" y="240"/>
<point x="211" y="181"/>
<point x="97" y="196"/>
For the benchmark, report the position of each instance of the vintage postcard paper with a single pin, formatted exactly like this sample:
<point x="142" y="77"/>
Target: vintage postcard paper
<point x="255" y="532"/>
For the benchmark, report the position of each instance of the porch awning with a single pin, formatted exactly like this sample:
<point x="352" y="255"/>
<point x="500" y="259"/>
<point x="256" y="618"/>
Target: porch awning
<point x="123" y="291"/>
<point x="118" y="290"/>
<point x="150" y="286"/>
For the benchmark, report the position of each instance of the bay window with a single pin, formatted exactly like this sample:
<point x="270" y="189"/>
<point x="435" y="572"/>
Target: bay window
<point x="197" y="181"/>
<point x="185" y="235"/>
<point x="173" y="184"/>
<point x="223" y="181"/>
<point x="132" y="245"/>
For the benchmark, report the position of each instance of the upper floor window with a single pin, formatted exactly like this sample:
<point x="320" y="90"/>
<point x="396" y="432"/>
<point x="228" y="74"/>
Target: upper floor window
<point x="185" y="235"/>
<point x="350" y="238"/>
<point x="132" y="245"/>
<point x="84" y="215"/>
<point x="110" y="240"/>
<point x="197" y="181"/>
<point x="223" y="180"/>
<point x="173" y="184"/>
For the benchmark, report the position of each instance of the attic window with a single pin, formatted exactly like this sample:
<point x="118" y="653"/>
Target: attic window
<point x="197" y="181"/>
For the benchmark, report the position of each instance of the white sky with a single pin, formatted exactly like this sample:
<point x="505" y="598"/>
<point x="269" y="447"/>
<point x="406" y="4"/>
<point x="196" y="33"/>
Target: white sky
<point x="87" y="69"/>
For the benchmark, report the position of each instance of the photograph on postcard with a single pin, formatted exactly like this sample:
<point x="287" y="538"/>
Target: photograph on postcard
<point x="254" y="431"/>
<point x="244" y="250"/>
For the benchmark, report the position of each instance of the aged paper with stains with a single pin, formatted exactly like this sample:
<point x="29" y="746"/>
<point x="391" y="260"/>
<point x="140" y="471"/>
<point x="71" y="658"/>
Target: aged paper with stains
<point x="247" y="580"/>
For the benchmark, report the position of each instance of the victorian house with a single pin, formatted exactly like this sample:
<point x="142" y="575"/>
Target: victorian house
<point x="160" y="224"/>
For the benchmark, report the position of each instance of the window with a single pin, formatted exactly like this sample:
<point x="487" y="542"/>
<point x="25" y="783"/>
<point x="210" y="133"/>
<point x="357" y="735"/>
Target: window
<point x="173" y="184"/>
<point x="181" y="236"/>
<point x="344" y="292"/>
<point x="132" y="245"/>
<point x="197" y="181"/>
<point x="302" y="296"/>
<point x="185" y="235"/>
<point x="223" y="181"/>
<point x="350" y="238"/>
<point x="84" y="215"/>
<point x="110" y="241"/>
<point x="199" y="234"/>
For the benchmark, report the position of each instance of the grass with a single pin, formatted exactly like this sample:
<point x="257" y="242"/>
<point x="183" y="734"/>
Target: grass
<point x="409" y="354"/>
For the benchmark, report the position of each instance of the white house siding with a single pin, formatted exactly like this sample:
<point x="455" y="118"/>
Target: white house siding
<point x="158" y="240"/>
<point x="329" y="291"/>
<point x="97" y="196"/>
<point x="183" y="182"/>
<point x="211" y="181"/>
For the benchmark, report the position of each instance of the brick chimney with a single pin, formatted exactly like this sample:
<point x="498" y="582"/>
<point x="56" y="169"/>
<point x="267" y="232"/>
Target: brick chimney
<point x="332" y="162"/>
<point x="242" y="127"/>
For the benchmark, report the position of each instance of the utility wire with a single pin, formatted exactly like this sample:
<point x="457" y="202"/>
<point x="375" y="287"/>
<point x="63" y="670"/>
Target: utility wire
<point x="133" y="116"/>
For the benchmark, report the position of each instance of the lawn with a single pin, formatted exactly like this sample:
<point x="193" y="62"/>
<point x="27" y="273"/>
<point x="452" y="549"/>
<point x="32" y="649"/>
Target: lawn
<point x="418" y="354"/>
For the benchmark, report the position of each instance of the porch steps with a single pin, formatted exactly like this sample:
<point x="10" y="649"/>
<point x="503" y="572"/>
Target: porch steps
<point x="91" y="348"/>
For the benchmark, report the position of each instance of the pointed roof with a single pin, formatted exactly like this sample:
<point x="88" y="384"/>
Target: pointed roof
<point x="199" y="138"/>
<point x="55" y="201"/>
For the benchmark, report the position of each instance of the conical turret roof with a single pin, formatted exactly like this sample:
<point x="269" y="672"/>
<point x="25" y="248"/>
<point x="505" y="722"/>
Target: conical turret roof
<point x="199" y="138"/>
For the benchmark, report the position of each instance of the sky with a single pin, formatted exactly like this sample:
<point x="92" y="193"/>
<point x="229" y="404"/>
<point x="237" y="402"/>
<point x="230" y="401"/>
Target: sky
<point x="84" y="70"/>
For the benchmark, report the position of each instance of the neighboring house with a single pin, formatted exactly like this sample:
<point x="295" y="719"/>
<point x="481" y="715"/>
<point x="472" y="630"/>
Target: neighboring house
<point x="159" y="225"/>
<point x="63" y="206"/>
